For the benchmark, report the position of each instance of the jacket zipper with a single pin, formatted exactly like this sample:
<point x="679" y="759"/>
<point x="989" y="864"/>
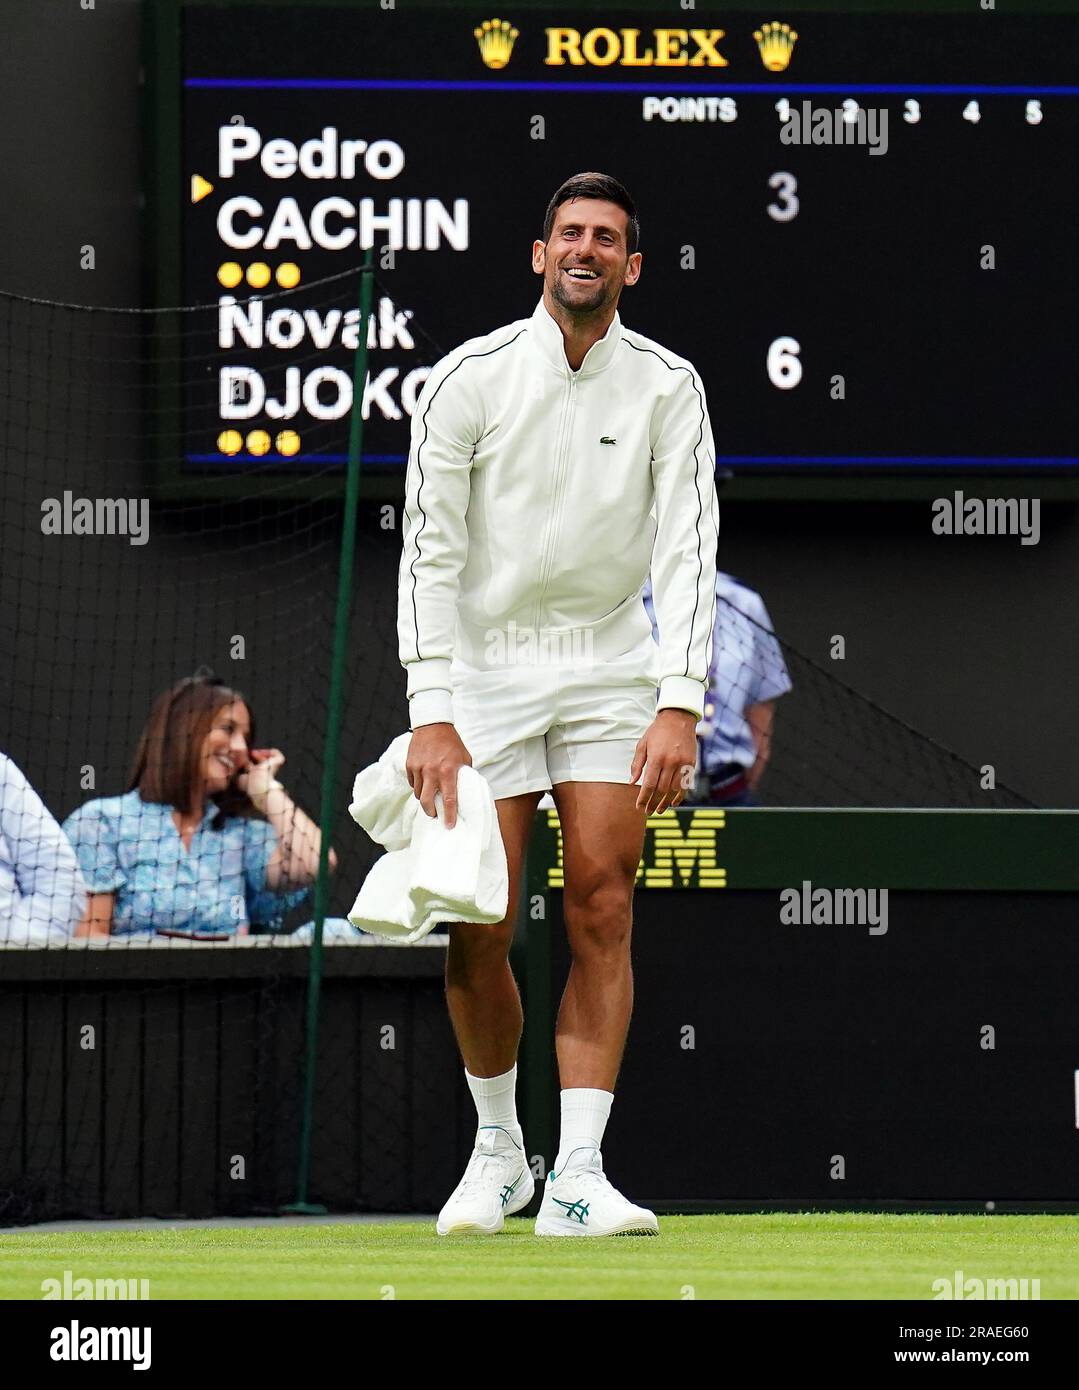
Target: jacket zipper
<point x="550" y="531"/>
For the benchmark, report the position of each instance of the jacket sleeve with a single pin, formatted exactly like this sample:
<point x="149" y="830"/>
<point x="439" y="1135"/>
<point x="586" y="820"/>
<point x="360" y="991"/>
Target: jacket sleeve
<point x="684" y="554"/>
<point x="445" y="428"/>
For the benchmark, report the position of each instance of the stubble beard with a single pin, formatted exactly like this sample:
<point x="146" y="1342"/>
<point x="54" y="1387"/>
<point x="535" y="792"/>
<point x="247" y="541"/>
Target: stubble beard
<point x="579" y="308"/>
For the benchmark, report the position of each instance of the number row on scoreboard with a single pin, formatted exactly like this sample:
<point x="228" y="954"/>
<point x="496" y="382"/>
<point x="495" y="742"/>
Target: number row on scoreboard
<point x="725" y="109"/>
<point x="912" y="111"/>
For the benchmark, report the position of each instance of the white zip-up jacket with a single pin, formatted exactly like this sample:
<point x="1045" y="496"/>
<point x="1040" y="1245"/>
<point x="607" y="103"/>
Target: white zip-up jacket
<point x="538" y="498"/>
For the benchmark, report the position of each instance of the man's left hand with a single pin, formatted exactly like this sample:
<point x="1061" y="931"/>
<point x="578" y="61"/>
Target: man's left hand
<point x="667" y="755"/>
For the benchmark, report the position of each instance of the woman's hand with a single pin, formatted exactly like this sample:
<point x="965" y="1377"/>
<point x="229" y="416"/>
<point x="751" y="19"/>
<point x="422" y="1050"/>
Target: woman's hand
<point x="259" y="778"/>
<point x="295" y="858"/>
<point x="97" y="919"/>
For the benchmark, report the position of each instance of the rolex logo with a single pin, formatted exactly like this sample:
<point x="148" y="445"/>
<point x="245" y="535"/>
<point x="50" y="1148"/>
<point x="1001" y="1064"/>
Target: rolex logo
<point x="776" y="43"/>
<point x="496" y="38"/>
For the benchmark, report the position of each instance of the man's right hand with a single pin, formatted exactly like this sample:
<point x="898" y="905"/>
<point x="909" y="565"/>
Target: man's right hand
<point x="435" y="754"/>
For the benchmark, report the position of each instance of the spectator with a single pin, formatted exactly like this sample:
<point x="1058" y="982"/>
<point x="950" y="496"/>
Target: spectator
<point x="746" y="676"/>
<point x="42" y="895"/>
<point x="205" y="842"/>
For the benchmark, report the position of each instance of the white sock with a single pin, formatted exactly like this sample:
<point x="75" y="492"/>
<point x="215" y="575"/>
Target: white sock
<point x="584" y="1118"/>
<point x="496" y="1100"/>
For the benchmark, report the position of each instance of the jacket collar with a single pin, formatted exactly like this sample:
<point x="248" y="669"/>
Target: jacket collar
<point x="547" y="336"/>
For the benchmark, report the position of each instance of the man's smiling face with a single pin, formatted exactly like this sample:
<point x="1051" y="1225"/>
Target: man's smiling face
<point x="586" y="261"/>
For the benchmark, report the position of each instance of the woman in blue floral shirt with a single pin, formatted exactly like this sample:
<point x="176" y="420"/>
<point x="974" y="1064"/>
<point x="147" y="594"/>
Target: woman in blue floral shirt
<point x="206" y="841"/>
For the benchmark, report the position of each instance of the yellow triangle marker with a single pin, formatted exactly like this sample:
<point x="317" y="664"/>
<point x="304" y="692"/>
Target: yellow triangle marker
<point x="199" y="188"/>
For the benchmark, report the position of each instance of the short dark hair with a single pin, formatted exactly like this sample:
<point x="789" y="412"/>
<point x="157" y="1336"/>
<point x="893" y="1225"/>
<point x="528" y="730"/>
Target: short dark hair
<point x="593" y="185"/>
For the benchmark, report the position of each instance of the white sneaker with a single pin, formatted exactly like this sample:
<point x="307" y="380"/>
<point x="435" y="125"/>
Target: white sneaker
<point x="496" y="1183"/>
<point x="580" y="1201"/>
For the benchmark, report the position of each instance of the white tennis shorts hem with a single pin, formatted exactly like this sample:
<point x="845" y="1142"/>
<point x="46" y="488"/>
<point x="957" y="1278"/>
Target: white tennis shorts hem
<point x="529" y="766"/>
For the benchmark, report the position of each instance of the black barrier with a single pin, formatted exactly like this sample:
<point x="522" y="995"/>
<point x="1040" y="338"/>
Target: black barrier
<point x="189" y="1102"/>
<point x="800" y="1041"/>
<point x="793" y="1045"/>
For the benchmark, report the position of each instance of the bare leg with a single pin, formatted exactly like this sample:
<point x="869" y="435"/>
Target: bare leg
<point x="602" y="839"/>
<point x="482" y="995"/>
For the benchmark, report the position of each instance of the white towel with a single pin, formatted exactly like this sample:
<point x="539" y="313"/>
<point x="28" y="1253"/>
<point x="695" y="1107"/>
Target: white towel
<point x="429" y="874"/>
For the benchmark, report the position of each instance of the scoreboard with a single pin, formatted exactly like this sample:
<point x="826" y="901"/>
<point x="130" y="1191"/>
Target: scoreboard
<point x="860" y="227"/>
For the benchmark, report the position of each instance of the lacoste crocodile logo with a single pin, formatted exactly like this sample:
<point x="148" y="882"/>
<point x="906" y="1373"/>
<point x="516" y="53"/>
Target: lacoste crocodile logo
<point x="606" y="439"/>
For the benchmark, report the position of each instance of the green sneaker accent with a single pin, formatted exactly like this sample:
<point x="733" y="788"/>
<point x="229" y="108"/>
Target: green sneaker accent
<point x="576" y="1209"/>
<point x="505" y="1131"/>
<point x="510" y="1188"/>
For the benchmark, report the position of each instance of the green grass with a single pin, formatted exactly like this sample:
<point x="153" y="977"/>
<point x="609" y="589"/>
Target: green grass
<point x="774" y="1255"/>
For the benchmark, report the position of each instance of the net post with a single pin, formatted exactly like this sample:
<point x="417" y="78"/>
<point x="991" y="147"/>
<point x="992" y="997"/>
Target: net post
<point x="540" y="1024"/>
<point x="333" y="729"/>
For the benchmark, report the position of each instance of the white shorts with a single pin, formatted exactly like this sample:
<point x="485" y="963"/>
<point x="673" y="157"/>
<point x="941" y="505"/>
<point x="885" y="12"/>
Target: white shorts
<point x="529" y="727"/>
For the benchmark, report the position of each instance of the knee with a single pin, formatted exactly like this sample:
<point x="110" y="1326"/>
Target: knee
<point x="476" y="949"/>
<point x="599" y="915"/>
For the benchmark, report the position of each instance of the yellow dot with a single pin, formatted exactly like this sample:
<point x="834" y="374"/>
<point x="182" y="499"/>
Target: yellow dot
<point x="258" y="275"/>
<point x="288" y="275"/>
<point x="258" y="442"/>
<point x="230" y="441"/>
<point x="288" y="442"/>
<point x="230" y="274"/>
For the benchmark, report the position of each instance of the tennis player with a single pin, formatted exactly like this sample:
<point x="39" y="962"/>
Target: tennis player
<point x="552" y="463"/>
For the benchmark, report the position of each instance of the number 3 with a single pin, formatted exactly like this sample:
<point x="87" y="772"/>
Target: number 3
<point x="787" y="185"/>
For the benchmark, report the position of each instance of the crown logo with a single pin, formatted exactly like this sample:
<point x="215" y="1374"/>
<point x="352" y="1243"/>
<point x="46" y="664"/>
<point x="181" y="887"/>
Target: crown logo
<point x="495" y="38"/>
<point x="776" y="42"/>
